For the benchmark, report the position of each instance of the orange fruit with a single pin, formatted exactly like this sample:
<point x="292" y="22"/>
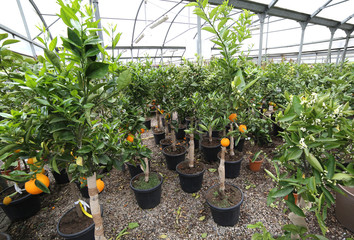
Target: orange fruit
<point x="100" y="185"/>
<point x="162" y="111"/>
<point x="17" y="150"/>
<point x="7" y="200"/>
<point x="130" y="138"/>
<point x="142" y="130"/>
<point x="242" y="128"/>
<point x="31" y="187"/>
<point x="31" y="160"/>
<point x="225" y="142"/>
<point x="43" y="171"/>
<point x="233" y="117"/>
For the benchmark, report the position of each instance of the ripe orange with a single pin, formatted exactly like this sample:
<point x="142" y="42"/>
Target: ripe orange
<point x="31" y="160"/>
<point x="242" y="128"/>
<point x="31" y="187"/>
<point x="7" y="200"/>
<point x="130" y="138"/>
<point x="142" y="130"/>
<point x="233" y="117"/>
<point x="17" y="150"/>
<point x="100" y="185"/>
<point x="225" y="142"/>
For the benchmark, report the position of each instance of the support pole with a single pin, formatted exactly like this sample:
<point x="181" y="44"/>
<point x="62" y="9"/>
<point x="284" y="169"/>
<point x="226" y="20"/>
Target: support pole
<point x="26" y="27"/>
<point x="261" y="17"/>
<point x="199" y="39"/>
<point x="266" y="46"/>
<point x="333" y="30"/>
<point x="346" y="45"/>
<point x="303" y="27"/>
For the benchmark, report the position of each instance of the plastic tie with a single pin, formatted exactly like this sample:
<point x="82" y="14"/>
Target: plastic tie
<point x="84" y="206"/>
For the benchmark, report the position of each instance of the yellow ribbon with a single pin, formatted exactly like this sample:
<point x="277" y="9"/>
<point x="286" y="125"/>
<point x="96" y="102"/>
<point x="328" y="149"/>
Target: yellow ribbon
<point x="84" y="211"/>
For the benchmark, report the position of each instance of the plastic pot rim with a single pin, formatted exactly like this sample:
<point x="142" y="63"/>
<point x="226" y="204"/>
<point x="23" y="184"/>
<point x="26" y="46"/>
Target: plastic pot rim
<point x="190" y="175"/>
<point x="229" y="208"/>
<point x="145" y="190"/>
<point x="216" y="146"/>
<point x="174" y="155"/>
<point x="231" y="161"/>
<point x="16" y="201"/>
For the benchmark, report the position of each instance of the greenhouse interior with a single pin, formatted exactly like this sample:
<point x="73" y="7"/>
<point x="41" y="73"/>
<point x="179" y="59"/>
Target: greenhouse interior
<point x="177" y="119"/>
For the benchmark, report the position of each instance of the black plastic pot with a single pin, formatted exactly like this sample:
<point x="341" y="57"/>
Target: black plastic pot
<point x="83" y="190"/>
<point x="225" y="216"/>
<point x="147" y="123"/>
<point x="61" y="178"/>
<point x="5" y="235"/>
<point x="22" y="208"/>
<point x="190" y="183"/>
<point x="181" y="133"/>
<point x="149" y="198"/>
<point x="173" y="160"/>
<point x="158" y="137"/>
<point x="232" y="168"/>
<point x="163" y="145"/>
<point x="240" y="144"/>
<point x="86" y="234"/>
<point x="210" y="152"/>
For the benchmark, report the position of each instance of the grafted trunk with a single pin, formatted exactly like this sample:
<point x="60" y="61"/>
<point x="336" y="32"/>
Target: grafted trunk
<point x="221" y="171"/>
<point x="232" y="141"/>
<point x="191" y="150"/>
<point x="158" y="119"/>
<point x="74" y="193"/>
<point x="210" y="134"/>
<point x="166" y="127"/>
<point x="95" y="207"/>
<point x="146" y="171"/>
<point x="173" y="135"/>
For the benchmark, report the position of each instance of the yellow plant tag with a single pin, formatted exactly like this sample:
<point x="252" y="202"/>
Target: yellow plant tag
<point x="79" y="161"/>
<point x="84" y="211"/>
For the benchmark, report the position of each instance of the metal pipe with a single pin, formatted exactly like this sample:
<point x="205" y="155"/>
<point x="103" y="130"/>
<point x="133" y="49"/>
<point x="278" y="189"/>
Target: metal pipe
<point x="346" y="45"/>
<point x="199" y="40"/>
<point x="26" y="26"/>
<point x="303" y="27"/>
<point x="333" y="30"/>
<point x="261" y="17"/>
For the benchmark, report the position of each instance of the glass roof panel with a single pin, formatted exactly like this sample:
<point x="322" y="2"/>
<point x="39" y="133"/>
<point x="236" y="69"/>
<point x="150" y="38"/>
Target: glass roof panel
<point x="304" y="6"/>
<point x="13" y="20"/>
<point x="338" y="12"/>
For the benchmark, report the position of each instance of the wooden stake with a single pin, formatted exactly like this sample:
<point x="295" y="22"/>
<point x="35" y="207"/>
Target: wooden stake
<point x="95" y="207"/>
<point x="221" y="171"/>
<point x="147" y="171"/>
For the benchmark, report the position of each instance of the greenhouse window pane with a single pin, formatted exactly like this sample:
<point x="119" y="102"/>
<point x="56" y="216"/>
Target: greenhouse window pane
<point x="10" y="17"/>
<point x="304" y="6"/>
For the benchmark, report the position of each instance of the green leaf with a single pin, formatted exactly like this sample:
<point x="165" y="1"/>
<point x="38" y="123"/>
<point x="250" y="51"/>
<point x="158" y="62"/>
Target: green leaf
<point x="204" y="235"/>
<point x="201" y="218"/>
<point x="209" y="29"/>
<point x="192" y="4"/>
<point x="3" y="36"/>
<point x="53" y="44"/>
<point x="287" y="117"/>
<point x="342" y="177"/>
<point x="96" y="70"/>
<point x="41" y="186"/>
<point x="250" y="84"/>
<point x="85" y="149"/>
<point x="57" y="119"/>
<point x="133" y="225"/>
<point x="72" y="36"/>
<point x="283" y="192"/>
<point x="124" y="79"/>
<point x="42" y="101"/>
<point x="313" y="161"/>
<point x="295" y="153"/>
<point x="54" y="165"/>
<point x="295" y="209"/>
<point x="6" y="115"/>
<point x="270" y="174"/>
<point x="88" y="105"/>
<point x="328" y="195"/>
<point x="326" y="139"/>
<point x="331" y="165"/>
<point x="297" y="105"/>
<point x="9" y="41"/>
<point x="212" y="170"/>
<point x="53" y="58"/>
<point x="92" y="52"/>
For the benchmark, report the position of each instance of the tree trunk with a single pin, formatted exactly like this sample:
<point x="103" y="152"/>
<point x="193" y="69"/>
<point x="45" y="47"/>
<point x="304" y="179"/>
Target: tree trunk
<point x="191" y="150"/>
<point x="74" y="193"/>
<point x="147" y="171"/>
<point x="221" y="171"/>
<point x="158" y="119"/>
<point x="173" y="135"/>
<point x="210" y="134"/>
<point x="232" y="141"/>
<point x="95" y="207"/>
<point x="166" y="127"/>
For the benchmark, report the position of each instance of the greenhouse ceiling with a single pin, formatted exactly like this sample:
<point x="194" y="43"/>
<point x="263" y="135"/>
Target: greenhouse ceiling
<point x="167" y="31"/>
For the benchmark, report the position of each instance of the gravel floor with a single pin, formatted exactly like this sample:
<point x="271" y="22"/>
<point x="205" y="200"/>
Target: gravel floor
<point x="179" y="215"/>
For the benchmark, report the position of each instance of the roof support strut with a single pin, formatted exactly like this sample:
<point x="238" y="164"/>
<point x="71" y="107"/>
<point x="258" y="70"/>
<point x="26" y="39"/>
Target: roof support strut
<point x="261" y="17"/>
<point x="333" y="30"/>
<point x="199" y="39"/>
<point x="26" y="26"/>
<point x="303" y="27"/>
<point x="346" y="45"/>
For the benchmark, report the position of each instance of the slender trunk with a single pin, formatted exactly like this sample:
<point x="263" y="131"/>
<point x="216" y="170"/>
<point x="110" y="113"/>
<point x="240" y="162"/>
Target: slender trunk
<point x="191" y="150"/>
<point x="147" y="171"/>
<point x="173" y="135"/>
<point x="158" y="119"/>
<point x="232" y="141"/>
<point x="210" y="134"/>
<point x="166" y="127"/>
<point x="95" y="207"/>
<point x="221" y="171"/>
<point x="74" y="193"/>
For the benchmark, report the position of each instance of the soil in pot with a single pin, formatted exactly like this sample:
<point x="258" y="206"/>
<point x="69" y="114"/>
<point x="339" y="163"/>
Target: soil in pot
<point x="70" y="223"/>
<point x="191" y="179"/>
<point x="174" y="157"/>
<point x="165" y="142"/>
<point x="232" y="197"/>
<point x="211" y="149"/>
<point x="22" y="206"/>
<point x="232" y="164"/>
<point x="139" y="182"/>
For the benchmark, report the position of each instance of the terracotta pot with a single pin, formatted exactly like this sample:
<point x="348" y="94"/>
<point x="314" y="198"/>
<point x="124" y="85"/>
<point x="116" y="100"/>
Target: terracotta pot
<point x="256" y="165"/>
<point x="345" y="207"/>
<point x="295" y="196"/>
